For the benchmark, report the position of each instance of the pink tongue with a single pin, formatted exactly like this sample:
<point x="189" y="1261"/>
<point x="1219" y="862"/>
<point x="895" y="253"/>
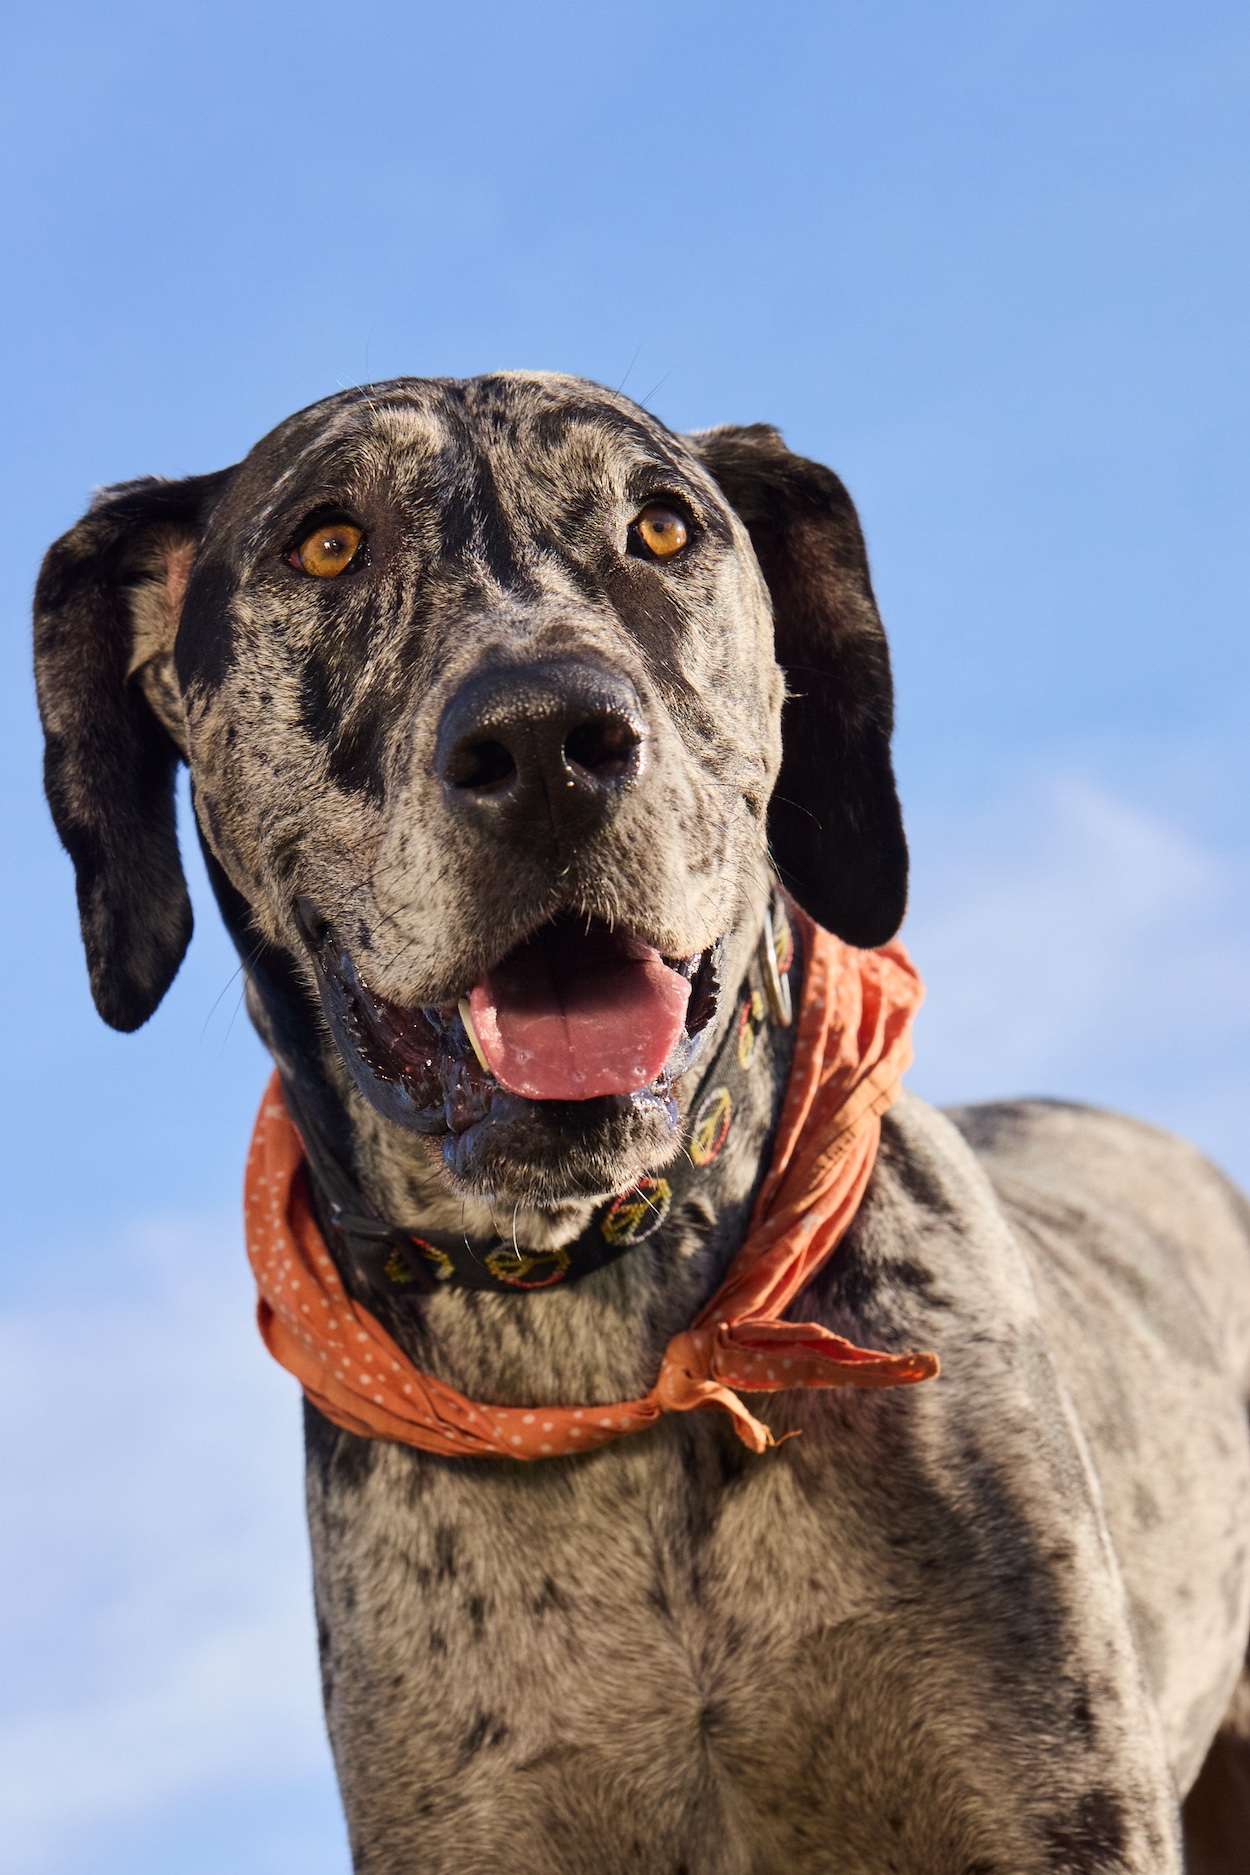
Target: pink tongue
<point x="572" y="1017"/>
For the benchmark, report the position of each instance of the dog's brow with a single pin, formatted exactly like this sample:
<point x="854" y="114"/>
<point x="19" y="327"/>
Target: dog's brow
<point x="342" y="420"/>
<point x="404" y="421"/>
<point x="356" y="438"/>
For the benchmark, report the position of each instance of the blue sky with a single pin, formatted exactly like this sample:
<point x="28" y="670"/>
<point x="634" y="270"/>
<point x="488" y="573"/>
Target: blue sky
<point x="989" y="261"/>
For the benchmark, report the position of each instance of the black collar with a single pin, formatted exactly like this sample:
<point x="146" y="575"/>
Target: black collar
<point x="391" y="1258"/>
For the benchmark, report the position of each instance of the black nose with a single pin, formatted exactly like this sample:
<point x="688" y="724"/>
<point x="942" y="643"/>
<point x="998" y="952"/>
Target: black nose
<point x="559" y="736"/>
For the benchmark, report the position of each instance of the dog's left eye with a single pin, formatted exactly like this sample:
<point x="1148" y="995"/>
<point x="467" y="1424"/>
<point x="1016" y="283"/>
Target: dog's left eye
<point x="661" y="531"/>
<point x="328" y="551"/>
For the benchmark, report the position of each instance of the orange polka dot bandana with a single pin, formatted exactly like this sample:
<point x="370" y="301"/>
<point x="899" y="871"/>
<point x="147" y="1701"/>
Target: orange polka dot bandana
<point x="852" y="1049"/>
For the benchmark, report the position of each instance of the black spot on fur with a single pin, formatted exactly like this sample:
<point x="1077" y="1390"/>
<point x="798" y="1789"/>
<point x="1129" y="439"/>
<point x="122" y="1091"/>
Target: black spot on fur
<point x="919" y="1179"/>
<point x="657" y="1597"/>
<point x="654" y="618"/>
<point x="1091" y="1838"/>
<point x="549" y="1598"/>
<point x="204" y="648"/>
<point x="445" y="1552"/>
<point x="473" y="518"/>
<point x="918" y="1278"/>
<point x="321" y="696"/>
<point x="488" y="1731"/>
<point x="852" y="1281"/>
<point x="356" y="753"/>
<point x="1083" y="1714"/>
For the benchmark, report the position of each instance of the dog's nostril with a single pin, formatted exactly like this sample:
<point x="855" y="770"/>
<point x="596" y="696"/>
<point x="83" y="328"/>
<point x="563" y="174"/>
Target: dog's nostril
<point x="606" y="747"/>
<point x="480" y="765"/>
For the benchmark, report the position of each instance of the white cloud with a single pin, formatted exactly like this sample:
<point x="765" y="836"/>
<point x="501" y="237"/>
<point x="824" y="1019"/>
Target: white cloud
<point x="154" y="1580"/>
<point x="1076" y="944"/>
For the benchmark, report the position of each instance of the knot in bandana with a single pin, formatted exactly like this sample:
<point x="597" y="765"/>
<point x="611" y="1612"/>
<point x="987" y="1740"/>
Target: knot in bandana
<point x="852" y="1049"/>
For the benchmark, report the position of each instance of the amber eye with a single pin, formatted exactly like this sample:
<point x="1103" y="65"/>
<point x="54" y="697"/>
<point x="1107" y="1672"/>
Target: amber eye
<point x="662" y="531"/>
<point x="328" y="551"/>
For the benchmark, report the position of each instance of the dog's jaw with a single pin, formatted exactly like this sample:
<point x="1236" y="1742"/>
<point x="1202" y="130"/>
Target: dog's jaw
<point x="483" y="1147"/>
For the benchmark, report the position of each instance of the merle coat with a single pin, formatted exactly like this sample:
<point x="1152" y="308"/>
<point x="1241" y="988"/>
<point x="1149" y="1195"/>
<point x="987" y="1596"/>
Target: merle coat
<point x="987" y="1626"/>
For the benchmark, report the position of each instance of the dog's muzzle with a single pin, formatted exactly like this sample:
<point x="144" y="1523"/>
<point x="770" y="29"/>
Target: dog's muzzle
<point x="574" y="1016"/>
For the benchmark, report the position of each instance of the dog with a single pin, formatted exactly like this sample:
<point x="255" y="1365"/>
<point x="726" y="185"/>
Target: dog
<point x="496" y="693"/>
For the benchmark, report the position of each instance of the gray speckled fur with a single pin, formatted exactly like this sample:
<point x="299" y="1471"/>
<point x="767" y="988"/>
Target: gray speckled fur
<point x="986" y="1626"/>
<point x="989" y="1624"/>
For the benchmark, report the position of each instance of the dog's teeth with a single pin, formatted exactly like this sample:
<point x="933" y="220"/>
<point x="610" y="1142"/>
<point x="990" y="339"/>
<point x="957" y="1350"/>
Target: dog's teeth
<point x="471" y="1032"/>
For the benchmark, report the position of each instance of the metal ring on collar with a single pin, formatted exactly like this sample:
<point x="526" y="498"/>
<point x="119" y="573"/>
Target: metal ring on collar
<point x="776" y="987"/>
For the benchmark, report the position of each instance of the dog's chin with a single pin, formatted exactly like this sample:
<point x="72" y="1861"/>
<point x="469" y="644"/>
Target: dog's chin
<point x="424" y="1069"/>
<point x="541" y="1153"/>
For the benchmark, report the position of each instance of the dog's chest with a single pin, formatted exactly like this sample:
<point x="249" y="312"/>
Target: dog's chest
<point x="653" y="1653"/>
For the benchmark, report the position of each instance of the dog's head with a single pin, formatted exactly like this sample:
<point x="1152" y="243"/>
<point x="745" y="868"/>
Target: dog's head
<point x="479" y="687"/>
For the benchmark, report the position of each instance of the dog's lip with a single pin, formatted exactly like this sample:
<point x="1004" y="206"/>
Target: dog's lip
<point x="418" y="1065"/>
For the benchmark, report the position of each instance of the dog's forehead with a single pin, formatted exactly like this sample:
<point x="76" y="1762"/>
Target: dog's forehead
<point x="540" y="437"/>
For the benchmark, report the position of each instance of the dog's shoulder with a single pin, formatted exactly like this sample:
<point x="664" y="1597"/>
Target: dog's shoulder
<point x="931" y="1252"/>
<point x="1107" y="1203"/>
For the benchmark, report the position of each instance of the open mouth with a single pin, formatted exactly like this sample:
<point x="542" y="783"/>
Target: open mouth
<point x="579" y="1013"/>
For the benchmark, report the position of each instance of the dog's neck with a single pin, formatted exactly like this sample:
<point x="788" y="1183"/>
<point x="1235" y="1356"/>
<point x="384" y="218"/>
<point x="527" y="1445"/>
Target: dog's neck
<point x="596" y="1339"/>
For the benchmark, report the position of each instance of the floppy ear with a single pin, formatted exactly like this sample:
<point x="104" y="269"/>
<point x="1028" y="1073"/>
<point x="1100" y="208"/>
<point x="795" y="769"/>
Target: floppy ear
<point x="106" y="612"/>
<point x="834" y="824"/>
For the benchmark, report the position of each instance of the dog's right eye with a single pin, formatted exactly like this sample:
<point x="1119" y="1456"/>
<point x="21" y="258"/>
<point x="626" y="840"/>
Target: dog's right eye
<point x="328" y="551"/>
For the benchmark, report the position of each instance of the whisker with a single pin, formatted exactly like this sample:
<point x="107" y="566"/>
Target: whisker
<point x="228" y="984"/>
<point x="243" y="966"/>
<point x="644" y="401"/>
<point x="633" y="361"/>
